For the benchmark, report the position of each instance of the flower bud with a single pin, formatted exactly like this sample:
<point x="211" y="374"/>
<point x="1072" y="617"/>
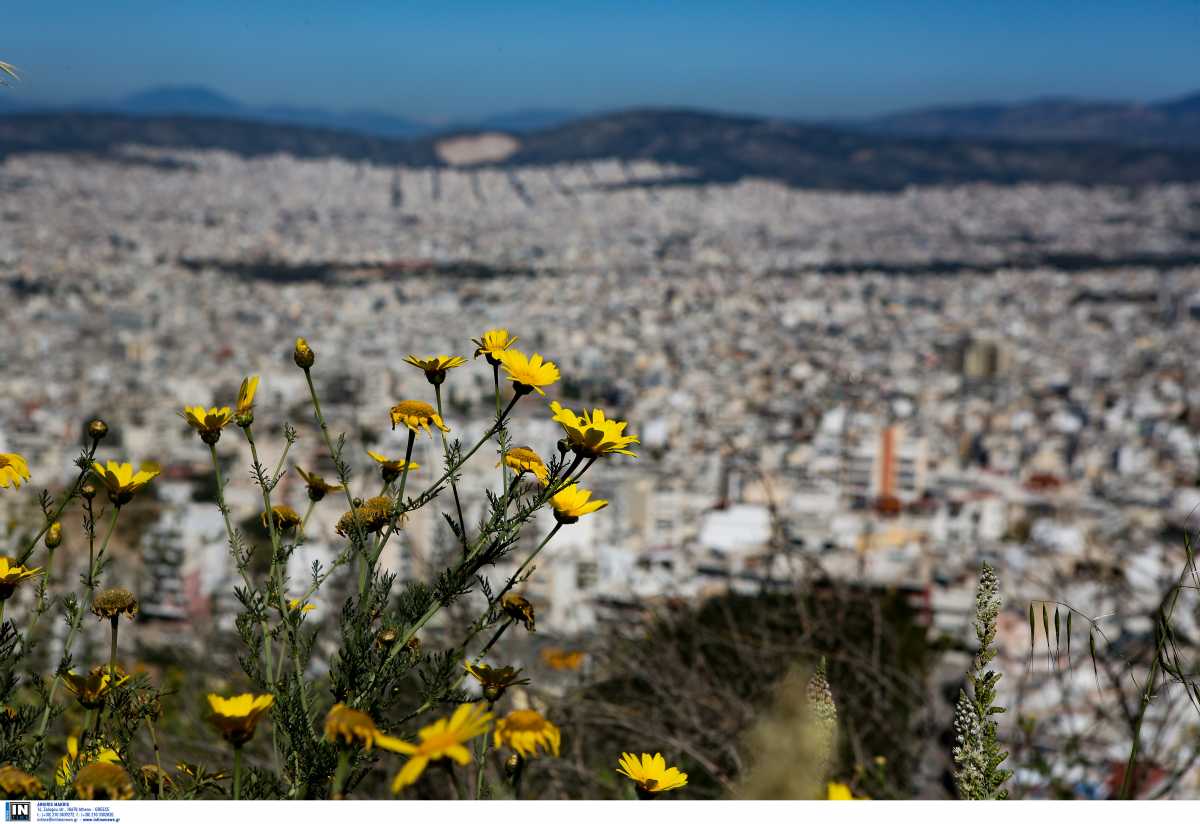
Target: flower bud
<point x="54" y="535"/>
<point x="303" y="355"/>
<point x="97" y="429"/>
<point x="564" y="446"/>
<point x="88" y="491"/>
<point x="513" y="765"/>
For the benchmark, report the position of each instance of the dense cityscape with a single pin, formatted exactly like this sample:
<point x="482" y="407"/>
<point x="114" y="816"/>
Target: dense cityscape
<point x="892" y="387"/>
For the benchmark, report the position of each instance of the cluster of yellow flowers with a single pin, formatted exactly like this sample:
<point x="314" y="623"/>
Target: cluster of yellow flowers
<point x="525" y="732"/>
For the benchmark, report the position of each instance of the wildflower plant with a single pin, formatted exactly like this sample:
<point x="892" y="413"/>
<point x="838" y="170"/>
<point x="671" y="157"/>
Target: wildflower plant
<point x="383" y="710"/>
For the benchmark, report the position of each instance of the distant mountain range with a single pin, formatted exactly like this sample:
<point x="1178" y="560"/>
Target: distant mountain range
<point x="1173" y="122"/>
<point x="942" y="146"/>
<point x="198" y="101"/>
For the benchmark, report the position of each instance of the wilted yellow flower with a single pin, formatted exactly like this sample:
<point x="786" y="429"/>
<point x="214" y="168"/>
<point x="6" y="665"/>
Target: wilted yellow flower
<point x="595" y="435"/>
<point x="561" y="659"/>
<point x="62" y="775"/>
<point x="200" y="773"/>
<point x="54" y="535"/>
<point x="495" y="680"/>
<point x="651" y="773"/>
<point x="528" y="374"/>
<point x="318" y="487"/>
<point x="492" y="344"/>
<point x="350" y="726"/>
<point x="93" y="689"/>
<point x="208" y="423"/>
<point x="523" y="459"/>
<point x="17" y="784"/>
<point x="245" y="400"/>
<point x="372" y="516"/>
<point x="155" y="777"/>
<point x="435" y="366"/>
<point x="103" y="782"/>
<point x="122" y="482"/>
<point x="12" y="469"/>
<point x="392" y="469"/>
<point x="11" y="574"/>
<point x="571" y="503"/>
<point x="284" y="517"/>
<point x="519" y="609"/>
<point x="303" y="354"/>
<point x="417" y="413"/>
<point x="113" y="602"/>
<point x="236" y="718"/>
<point x="442" y="739"/>
<point x="296" y="605"/>
<point x="525" y="732"/>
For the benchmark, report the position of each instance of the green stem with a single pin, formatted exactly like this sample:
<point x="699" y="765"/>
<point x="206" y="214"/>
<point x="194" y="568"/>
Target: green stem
<point x="303" y="523"/>
<point x="339" y="777"/>
<point x="462" y="524"/>
<point x="496" y="381"/>
<point x="157" y="755"/>
<point x="266" y="629"/>
<point x="70" y="496"/>
<point x="333" y="453"/>
<point x="90" y="588"/>
<point x="237" y="773"/>
<point x="481" y="760"/>
<point x="517" y="575"/>
<point x="112" y="654"/>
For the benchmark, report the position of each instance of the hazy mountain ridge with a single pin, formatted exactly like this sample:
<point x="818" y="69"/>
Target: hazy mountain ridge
<point x="1174" y="122"/>
<point x="717" y="147"/>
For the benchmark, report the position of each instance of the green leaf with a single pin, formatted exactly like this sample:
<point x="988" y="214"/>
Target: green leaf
<point x="1069" y="614"/>
<point x="1056" y="629"/>
<point x="1031" y="627"/>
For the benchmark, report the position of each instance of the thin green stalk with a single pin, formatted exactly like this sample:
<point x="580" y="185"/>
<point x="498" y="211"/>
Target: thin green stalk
<point x="266" y="629"/>
<point x="312" y="391"/>
<point x="157" y="755"/>
<point x="481" y="759"/>
<point x="304" y="522"/>
<point x="496" y="381"/>
<point x="462" y="524"/>
<point x="89" y="587"/>
<point x="70" y="496"/>
<point x="517" y="575"/>
<point x="112" y="654"/>
<point x="339" y="777"/>
<point x="237" y="773"/>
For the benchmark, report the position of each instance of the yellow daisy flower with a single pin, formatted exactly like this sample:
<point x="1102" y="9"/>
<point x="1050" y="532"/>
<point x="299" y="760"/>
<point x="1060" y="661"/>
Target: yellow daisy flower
<point x="525" y="732"/>
<point x="523" y="459"/>
<point x="593" y="436"/>
<point x="12" y="469"/>
<point x="208" y="423"/>
<point x="519" y="609"/>
<point x="17" y="784"/>
<point x="296" y="605"/>
<point x="417" y="413"/>
<point x="92" y="690"/>
<point x="284" y="517"/>
<point x="102" y="781"/>
<point x="528" y="374"/>
<point x="236" y="718"/>
<point x="492" y="344"/>
<point x="318" y="487"/>
<point x="442" y="739"/>
<point x="62" y="776"/>
<point x="350" y="726"/>
<point x="11" y="574"/>
<point x="495" y="680"/>
<point x="54" y="535"/>
<point x="122" y="482"/>
<point x="245" y="400"/>
<point x="435" y="366"/>
<point x="571" y="503"/>
<point x="392" y="468"/>
<point x="650" y="773"/>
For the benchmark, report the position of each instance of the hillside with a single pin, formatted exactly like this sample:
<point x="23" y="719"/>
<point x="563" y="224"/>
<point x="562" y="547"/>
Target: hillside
<point x="717" y="147"/>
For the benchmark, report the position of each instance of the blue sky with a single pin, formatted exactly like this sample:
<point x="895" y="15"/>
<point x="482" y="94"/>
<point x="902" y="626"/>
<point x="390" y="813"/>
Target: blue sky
<point x="447" y="59"/>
